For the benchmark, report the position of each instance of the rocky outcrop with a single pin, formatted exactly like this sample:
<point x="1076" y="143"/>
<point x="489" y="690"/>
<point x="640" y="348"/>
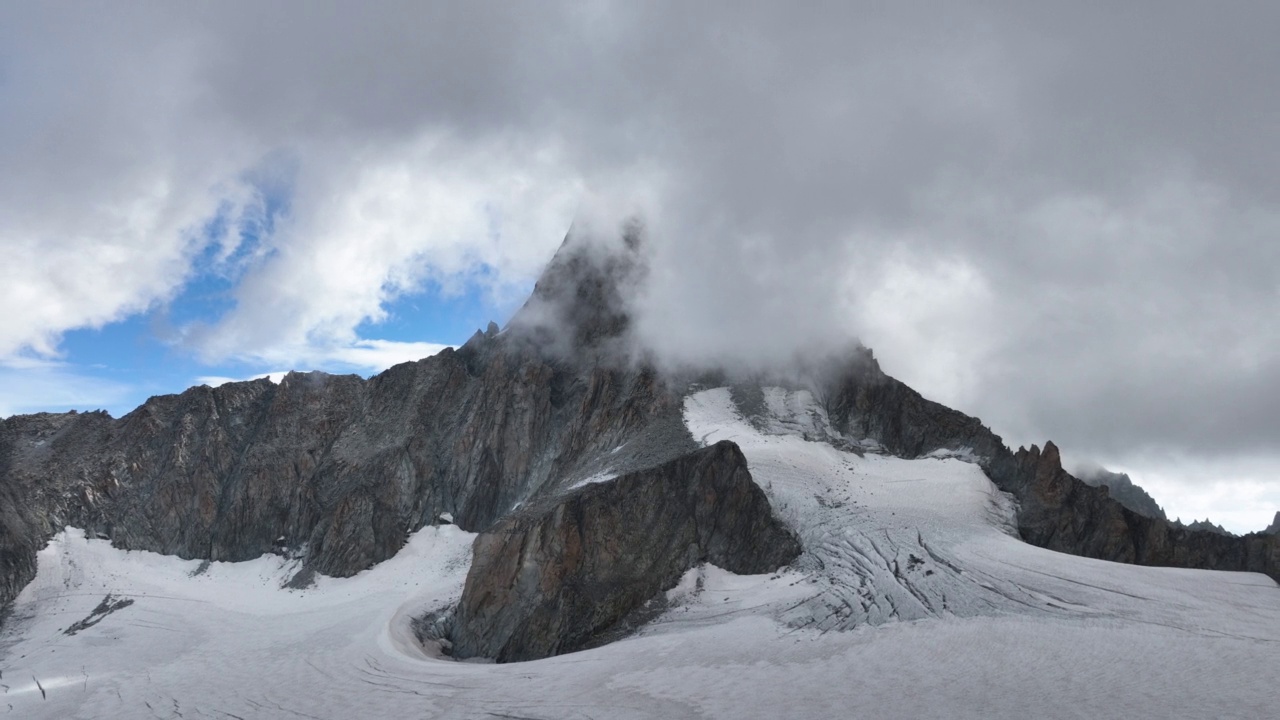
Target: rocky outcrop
<point x="551" y="579"/>
<point x="47" y="477"/>
<point x="1122" y="489"/>
<point x="863" y="402"/>
<point x="1274" y="527"/>
<point x="1059" y="512"/>
<point x="342" y="469"/>
<point x="1055" y="510"/>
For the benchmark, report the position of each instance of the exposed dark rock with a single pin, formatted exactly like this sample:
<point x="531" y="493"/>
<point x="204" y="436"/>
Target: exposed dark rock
<point x="46" y="478"/>
<point x="1061" y="513"/>
<point x="1055" y="510"/>
<point x="578" y="308"/>
<point x="863" y="402"/>
<point x="1274" y="528"/>
<point x="549" y="579"/>
<point x="343" y="467"/>
<point x="1205" y="525"/>
<point x="1123" y="490"/>
<point x="109" y="604"/>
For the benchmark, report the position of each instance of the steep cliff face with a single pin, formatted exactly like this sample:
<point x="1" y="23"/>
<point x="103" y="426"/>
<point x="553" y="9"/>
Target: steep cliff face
<point x="1055" y="509"/>
<point x="48" y="474"/>
<point x="1062" y="513"/>
<point x="550" y="579"/>
<point x="339" y="468"/>
<point x="578" y="308"/>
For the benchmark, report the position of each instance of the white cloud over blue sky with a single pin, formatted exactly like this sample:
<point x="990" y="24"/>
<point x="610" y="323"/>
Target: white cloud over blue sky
<point x="1060" y="217"/>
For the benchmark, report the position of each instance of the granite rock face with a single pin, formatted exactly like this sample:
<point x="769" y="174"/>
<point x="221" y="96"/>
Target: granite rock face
<point x="1055" y="510"/>
<point x="550" y="579"/>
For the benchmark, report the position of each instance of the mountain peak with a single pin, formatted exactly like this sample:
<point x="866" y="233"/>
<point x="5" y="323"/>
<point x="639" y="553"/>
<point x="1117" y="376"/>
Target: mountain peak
<point x="580" y="303"/>
<point x="1274" y="528"/>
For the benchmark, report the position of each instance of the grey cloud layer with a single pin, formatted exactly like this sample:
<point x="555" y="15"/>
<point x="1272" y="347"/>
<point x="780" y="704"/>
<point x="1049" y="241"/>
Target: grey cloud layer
<point x="1070" y="210"/>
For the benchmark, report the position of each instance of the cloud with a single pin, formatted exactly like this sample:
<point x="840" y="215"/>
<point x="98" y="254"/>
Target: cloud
<point x="1061" y="219"/>
<point x="419" y="211"/>
<point x="132" y="134"/>
<point x="108" y="180"/>
<point x="365" y="356"/>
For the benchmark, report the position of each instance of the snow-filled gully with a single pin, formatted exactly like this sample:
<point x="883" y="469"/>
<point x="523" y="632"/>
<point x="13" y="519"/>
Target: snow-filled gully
<point x="912" y="599"/>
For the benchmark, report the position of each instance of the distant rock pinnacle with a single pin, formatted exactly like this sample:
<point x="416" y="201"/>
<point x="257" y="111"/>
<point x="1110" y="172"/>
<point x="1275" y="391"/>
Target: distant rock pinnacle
<point x="1274" y="528"/>
<point x="1123" y="490"/>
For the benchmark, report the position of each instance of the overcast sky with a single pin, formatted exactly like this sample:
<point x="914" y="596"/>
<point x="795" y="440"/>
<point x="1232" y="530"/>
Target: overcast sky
<point x="1063" y="218"/>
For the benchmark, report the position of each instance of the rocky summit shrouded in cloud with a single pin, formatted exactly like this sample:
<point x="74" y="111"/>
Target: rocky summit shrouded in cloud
<point x="1061" y="218"/>
<point x="622" y="539"/>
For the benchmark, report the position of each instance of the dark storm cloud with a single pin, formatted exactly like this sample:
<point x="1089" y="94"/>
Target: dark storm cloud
<point x="1062" y="217"/>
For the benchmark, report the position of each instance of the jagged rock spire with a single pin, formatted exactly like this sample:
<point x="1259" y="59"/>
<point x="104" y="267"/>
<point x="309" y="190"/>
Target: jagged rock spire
<point x="580" y="305"/>
<point x="1274" y="528"/>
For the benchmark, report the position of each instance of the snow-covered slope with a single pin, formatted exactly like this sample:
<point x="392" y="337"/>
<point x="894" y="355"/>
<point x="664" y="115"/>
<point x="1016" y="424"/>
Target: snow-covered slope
<point x="912" y="599"/>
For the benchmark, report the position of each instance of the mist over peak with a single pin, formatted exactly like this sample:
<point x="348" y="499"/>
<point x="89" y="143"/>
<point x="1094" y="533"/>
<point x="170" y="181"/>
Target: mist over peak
<point x="580" y="305"/>
<point x="651" y="287"/>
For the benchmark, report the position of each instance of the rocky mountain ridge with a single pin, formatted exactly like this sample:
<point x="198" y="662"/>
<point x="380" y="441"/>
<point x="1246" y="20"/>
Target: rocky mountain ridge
<point x="552" y="579"/>
<point x="1206" y="525"/>
<point x="1123" y="489"/>
<point x="340" y="470"/>
<point x="337" y="468"/>
<point x="1055" y="510"/>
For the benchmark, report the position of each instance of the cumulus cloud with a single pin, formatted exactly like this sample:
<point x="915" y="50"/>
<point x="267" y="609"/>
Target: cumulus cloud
<point x="420" y="212"/>
<point x="1060" y="218"/>
<point x="139" y="142"/>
